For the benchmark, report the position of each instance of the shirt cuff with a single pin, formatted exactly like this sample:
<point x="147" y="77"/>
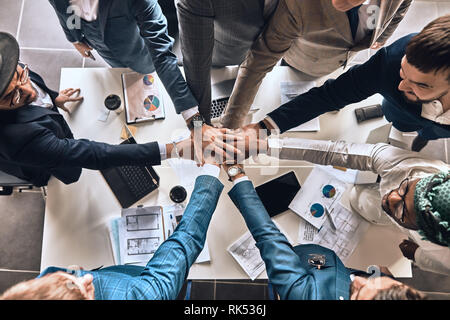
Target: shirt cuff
<point x="244" y="178"/>
<point x="162" y="151"/>
<point x="189" y="113"/>
<point x="210" y="170"/>
<point x="273" y="124"/>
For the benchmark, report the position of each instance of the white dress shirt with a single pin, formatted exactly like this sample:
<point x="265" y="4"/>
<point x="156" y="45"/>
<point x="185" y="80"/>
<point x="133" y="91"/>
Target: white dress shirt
<point x="43" y="99"/>
<point x="434" y="111"/>
<point x="391" y="163"/>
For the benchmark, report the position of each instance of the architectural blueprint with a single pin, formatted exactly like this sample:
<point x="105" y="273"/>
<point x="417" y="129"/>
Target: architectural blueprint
<point x="141" y="232"/>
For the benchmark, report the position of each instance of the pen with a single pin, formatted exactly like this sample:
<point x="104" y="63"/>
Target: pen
<point x="331" y="220"/>
<point x="89" y="54"/>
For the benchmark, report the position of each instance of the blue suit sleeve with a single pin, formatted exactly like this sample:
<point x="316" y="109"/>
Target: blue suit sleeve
<point x="168" y="269"/>
<point x="153" y="28"/>
<point x="283" y="266"/>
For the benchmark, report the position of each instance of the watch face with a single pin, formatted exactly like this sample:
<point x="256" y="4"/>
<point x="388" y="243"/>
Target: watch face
<point x="233" y="171"/>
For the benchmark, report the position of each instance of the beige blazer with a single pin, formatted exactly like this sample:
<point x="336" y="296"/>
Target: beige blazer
<point x="313" y="37"/>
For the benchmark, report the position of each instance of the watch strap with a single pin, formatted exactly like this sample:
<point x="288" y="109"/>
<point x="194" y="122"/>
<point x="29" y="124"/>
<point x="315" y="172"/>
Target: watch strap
<point x="262" y="124"/>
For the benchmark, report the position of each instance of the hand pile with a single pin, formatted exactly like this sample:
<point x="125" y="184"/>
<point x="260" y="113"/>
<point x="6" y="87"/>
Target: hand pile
<point x="222" y="146"/>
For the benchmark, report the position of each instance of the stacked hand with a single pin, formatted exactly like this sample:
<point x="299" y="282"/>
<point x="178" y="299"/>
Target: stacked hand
<point x="225" y="146"/>
<point x="215" y="142"/>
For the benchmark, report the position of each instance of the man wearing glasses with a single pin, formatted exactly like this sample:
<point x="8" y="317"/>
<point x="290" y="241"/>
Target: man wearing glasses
<point x="37" y="142"/>
<point x="413" y="190"/>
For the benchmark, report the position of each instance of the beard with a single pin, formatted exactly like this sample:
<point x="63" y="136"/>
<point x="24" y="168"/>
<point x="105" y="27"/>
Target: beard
<point x="30" y="98"/>
<point x="416" y="102"/>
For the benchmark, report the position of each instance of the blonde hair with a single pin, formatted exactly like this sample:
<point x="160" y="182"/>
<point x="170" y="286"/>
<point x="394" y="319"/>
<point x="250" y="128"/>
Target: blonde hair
<point x="54" y="286"/>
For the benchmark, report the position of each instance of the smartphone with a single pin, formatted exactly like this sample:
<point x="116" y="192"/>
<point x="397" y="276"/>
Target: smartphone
<point x="277" y="194"/>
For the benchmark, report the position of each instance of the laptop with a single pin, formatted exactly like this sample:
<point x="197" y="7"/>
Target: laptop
<point x="220" y="94"/>
<point x="131" y="183"/>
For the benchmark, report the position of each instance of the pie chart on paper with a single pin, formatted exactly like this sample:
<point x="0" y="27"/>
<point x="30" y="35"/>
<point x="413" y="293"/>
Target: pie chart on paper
<point x="317" y="210"/>
<point x="329" y="191"/>
<point x="148" y="80"/>
<point x="151" y="103"/>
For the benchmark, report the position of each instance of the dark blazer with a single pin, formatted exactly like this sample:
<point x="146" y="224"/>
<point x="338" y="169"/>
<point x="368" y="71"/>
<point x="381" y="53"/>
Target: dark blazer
<point x="37" y="143"/>
<point x="135" y="33"/>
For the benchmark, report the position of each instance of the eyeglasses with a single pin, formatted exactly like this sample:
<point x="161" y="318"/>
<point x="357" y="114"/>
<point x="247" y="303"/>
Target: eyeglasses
<point x="23" y="79"/>
<point x="399" y="210"/>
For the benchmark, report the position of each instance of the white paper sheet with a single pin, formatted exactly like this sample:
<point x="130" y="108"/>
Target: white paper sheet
<point x="350" y="228"/>
<point x="318" y="194"/>
<point x="290" y="90"/>
<point x="141" y="232"/>
<point x="245" y="252"/>
<point x="187" y="171"/>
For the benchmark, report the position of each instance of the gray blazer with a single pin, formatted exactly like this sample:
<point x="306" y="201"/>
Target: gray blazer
<point x="217" y="33"/>
<point x="313" y="37"/>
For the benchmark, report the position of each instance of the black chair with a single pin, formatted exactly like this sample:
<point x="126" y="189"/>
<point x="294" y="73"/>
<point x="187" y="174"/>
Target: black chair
<point x="8" y="183"/>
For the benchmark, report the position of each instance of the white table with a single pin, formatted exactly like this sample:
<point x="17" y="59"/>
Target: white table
<point x="76" y="216"/>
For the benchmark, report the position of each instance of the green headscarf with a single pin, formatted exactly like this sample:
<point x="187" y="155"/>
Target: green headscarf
<point x="432" y="204"/>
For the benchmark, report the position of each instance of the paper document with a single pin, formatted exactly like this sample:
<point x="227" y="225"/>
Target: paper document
<point x="141" y="232"/>
<point x="350" y="228"/>
<point x="187" y="171"/>
<point x="245" y="252"/>
<point x="143" y="97"/>
<point x="290" y="90"/>
<point x="319" y="193"/>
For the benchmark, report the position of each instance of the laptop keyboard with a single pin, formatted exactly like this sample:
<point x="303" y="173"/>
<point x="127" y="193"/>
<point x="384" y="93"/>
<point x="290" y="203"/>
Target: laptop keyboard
<point x="138" y="180"/>
<point x="218" y="106"/>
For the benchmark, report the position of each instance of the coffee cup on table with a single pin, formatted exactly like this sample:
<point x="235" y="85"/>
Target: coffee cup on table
<point x="114" y="103"/>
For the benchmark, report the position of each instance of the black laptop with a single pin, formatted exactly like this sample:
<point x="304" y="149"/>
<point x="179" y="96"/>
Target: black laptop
<point x="131" y="183"/>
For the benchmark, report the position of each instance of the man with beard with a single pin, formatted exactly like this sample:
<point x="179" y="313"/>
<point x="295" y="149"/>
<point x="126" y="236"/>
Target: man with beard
<point x="412" y="74"/>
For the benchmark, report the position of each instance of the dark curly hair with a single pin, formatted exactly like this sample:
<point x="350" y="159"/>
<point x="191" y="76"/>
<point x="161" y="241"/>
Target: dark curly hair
<point x="430" y="49"/>
<point x="399" y="292"/>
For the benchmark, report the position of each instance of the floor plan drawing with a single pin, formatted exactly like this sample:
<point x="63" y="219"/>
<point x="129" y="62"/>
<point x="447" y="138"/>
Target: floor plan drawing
<point x="142" y="246"/>
<point x="142" y="222"/>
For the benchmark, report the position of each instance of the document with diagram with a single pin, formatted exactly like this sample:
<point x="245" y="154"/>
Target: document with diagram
<point x="342" y="238"/>
<point x="319" y="193"/>
<point x="245" y="252"/>
<point x="137" y="235"/>
<point x="141" y="232"/>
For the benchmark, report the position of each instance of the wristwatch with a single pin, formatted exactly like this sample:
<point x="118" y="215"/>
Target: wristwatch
<point x="262" y="124"/>
<point x="233" y="171"/>
<point x="196" y="122"/>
